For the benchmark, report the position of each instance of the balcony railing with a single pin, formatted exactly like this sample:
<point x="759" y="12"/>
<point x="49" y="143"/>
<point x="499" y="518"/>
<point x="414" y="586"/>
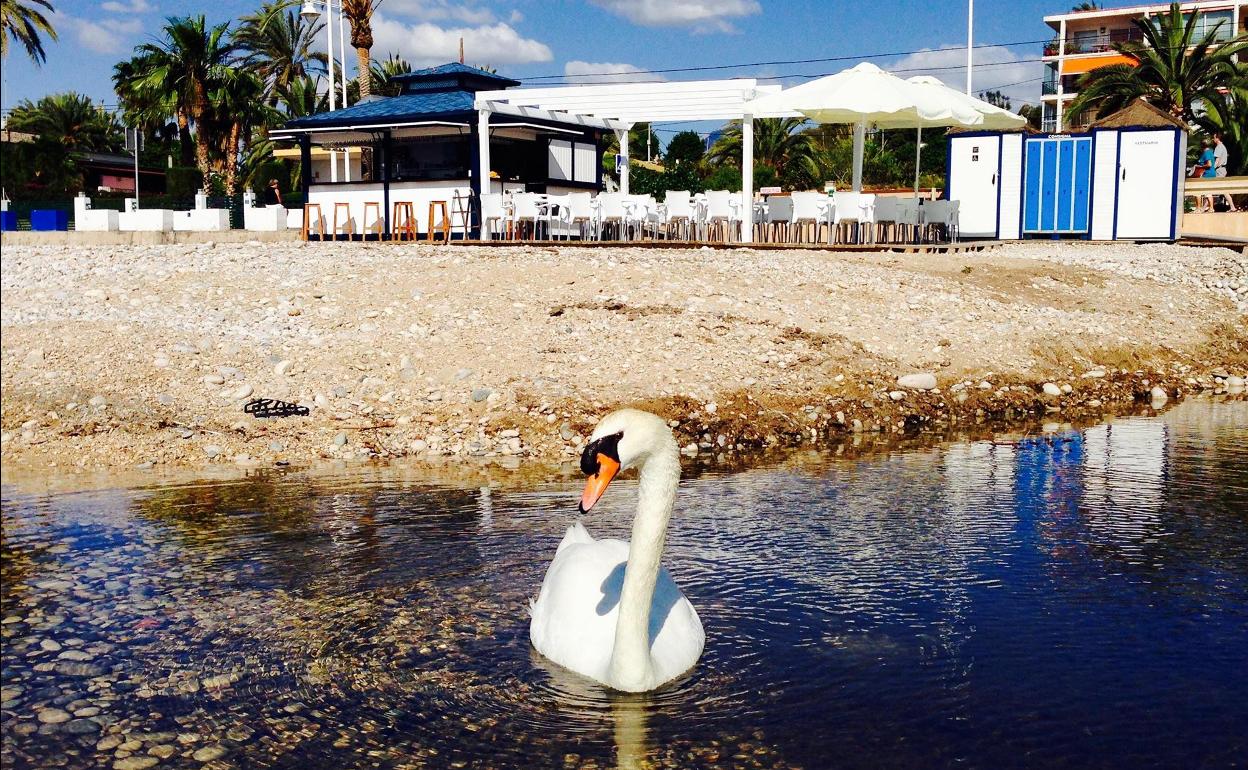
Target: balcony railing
<point x="1048" y="88"/>
<point x="1094" y="43"/>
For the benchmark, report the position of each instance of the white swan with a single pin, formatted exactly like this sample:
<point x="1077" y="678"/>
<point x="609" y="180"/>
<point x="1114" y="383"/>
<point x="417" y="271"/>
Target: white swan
<point x="608" y="610"/>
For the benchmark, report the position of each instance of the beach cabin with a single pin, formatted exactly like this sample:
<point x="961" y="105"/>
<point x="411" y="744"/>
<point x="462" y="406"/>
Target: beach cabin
<point x="1120" y="180"/>
<point x="370" y="168"/>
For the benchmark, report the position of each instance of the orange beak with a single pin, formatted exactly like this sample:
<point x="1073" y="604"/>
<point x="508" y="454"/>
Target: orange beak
<point x="596" y="484"/>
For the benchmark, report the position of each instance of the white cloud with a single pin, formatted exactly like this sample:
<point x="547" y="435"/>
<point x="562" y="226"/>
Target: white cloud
<point x="425" y="44"/>
<point x="606" y="72"/>
<point x="111" y="36"/>
<point x="130" y="6"/>
<point x="996" y="69"/>
<point x="702" y="15"/>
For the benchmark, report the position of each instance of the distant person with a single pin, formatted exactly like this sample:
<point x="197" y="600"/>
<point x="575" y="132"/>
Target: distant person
<point x="1204" y="170"/>
<point x="272" y="194"/>
<point x="1219" y="165"/>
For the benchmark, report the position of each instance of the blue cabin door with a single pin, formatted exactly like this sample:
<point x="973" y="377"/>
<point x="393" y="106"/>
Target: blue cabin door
<point x="1057" y="185"/>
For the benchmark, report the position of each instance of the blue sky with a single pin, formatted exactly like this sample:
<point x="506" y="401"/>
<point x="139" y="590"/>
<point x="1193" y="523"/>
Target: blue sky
<point x="531" y="38"/>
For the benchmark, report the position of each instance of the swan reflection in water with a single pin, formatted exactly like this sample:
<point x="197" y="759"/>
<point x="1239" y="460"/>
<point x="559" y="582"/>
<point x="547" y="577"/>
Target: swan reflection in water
<point x="586" y="701"/>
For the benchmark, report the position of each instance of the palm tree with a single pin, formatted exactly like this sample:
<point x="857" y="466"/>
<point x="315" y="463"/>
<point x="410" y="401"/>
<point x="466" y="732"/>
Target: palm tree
<point x="385" y="72"/>
<point x="240" y="116"/>
<point x="182" y="70"/>
<point x="360" y="14"/>
<point x="779" y="145"/>
<point x="279" y="44"/>
<point x="1173" y="70"/>
<point x="22" y="21"/>
<point x="71" y="120"/>
<point x="302" y="98"/>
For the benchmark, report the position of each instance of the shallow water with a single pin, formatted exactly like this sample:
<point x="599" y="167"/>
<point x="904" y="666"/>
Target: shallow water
<point x="1073" y="600"/>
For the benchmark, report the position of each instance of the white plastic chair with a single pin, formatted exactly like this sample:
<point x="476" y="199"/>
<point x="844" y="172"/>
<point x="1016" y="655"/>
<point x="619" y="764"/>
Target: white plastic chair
<point x="887" y="212"/>
<point x="811" y="208"/>
<point x="643" y="211"/>
<point x="612" y="210"/>
<point x="493" y="214"/>
<point x="855" y="208"/>
<point x="723" y="210"/>
<point x="578" y="212"/>
<point x="940" y="217"/>
<point x="779" y="219"/>
<point x="909" y="216"/>
<point x="676" y="213"/>
<point x="526" y="207"/>
<point x="553" y="207"/>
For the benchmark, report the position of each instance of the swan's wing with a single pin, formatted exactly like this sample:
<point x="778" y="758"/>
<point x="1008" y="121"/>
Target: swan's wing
<point x="576" y="534"/>
<point x="573" y="619"/>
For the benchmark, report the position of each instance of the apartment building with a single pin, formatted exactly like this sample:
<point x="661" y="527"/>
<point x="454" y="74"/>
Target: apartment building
<point x="1085" y="40"/>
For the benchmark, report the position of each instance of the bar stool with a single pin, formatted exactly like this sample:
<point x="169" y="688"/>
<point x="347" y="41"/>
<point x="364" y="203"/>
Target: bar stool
<point x="404" y="228"/>
<point x="307" y="222"/>
<point x="347" y="223"/>
<point x="378" y="225"/>
<point x="445" y="226"/>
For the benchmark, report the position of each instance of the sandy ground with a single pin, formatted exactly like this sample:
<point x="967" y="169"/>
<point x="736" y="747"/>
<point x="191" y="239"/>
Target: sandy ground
<point x="137" y="355"/>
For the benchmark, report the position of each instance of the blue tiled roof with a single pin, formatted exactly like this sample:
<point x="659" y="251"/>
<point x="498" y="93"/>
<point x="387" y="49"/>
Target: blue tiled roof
<point x="454" y="68"/>
<point x="395" y="109"/>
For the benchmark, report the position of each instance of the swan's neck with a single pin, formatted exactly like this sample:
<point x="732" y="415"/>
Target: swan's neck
<point x="630" y="659"/>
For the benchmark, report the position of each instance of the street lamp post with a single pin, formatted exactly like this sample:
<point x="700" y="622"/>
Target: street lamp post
<point x="311" y="13"/>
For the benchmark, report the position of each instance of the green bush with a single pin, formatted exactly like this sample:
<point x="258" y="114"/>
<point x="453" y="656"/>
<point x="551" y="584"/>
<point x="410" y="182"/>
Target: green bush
<point x="183" y="182"/>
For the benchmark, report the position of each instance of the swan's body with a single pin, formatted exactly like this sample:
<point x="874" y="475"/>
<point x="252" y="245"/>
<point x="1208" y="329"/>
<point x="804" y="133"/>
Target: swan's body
<point x="607" y="609"/>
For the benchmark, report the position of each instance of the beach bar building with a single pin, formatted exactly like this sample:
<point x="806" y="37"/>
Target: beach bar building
<point x="422" y="153"/>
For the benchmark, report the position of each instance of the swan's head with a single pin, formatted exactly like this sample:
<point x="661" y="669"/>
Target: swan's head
<point x="624" y="439"/>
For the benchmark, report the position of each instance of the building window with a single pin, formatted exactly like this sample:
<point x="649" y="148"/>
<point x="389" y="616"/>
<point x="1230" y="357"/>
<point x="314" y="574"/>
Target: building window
<point x="1209" y="21"/>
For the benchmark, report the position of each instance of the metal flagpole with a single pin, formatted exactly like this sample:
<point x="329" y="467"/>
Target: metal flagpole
<point x="970" y="33"/>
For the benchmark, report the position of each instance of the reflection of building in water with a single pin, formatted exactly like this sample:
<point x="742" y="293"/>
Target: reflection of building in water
<point x="1124" y="473"/>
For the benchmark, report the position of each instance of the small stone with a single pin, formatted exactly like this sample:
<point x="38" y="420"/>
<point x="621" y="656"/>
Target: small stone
<point x="82" y="726"/>
<point x="1051" y="389"/>
<point x="52" y="716"/>
<point x="1234" y="383"/>
<point x="690" y="449"/>
<point x="108" y="742"/>
<point x="921" y="381"/>
<point x="283" y="367"/>
<point x="212" y="450"/>
<point x="340" y="440"/>
<point x="97" y="401"/>
<point x="209" y="753"/>
<point x="242" y="392"/>
<point x="418" y="446"/>
<point x="160" y="362"/>
<point x="985" y="385"/>
<point x="51" y="645"/>
<point x="1094" y="374"/>
<point x="163" y="751"/>
<point x="897" y="395"/>
<point x="1158" y="395"/>
<point x="1067" y="389"/>
<point x="481" y="394"/>
<point x="509" y="433"/>
<point x="135" y="763"/>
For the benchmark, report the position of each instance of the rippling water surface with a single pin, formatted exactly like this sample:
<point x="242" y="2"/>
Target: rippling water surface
<point x="1076" y="600"/>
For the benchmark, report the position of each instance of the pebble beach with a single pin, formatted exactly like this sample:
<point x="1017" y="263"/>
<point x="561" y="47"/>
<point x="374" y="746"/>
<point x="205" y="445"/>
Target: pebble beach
<point x="141" y="356"/>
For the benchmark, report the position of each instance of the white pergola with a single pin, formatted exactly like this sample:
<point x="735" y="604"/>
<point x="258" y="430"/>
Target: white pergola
<point x="620" y="105"/>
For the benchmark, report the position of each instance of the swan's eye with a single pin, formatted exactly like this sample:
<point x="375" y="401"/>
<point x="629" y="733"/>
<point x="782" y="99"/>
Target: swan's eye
<point x="607" y="445"/>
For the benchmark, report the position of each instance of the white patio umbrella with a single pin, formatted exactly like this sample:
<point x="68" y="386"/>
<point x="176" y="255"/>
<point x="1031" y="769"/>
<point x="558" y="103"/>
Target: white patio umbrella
<point x="995" y="118"/>
<point x="867" y="95"/>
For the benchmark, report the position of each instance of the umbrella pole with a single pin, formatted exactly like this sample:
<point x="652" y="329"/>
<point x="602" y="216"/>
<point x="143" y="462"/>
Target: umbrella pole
<point x="860" y="141"/>
<point x="918" y="154"/>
